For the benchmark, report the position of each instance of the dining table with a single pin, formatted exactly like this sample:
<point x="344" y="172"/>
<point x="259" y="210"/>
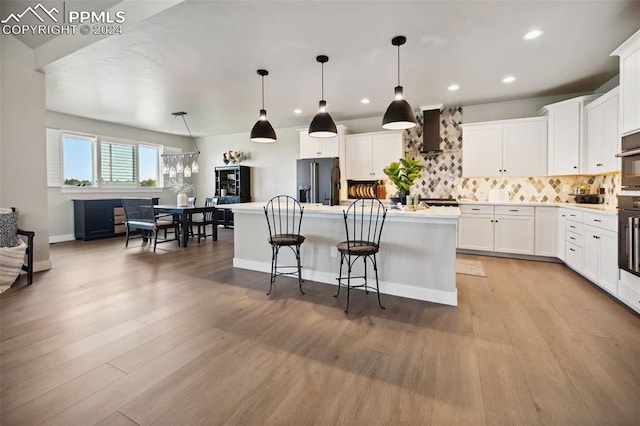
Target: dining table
<point x="184" y="213"/>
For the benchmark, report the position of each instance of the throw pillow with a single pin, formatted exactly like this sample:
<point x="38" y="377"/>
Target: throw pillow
<point x="8" y="228"/>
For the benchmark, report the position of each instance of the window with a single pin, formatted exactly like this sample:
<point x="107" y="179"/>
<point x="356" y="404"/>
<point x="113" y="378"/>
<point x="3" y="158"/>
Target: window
<point x="148" y="155"/>
<point x="117" y="163"/>
<point x="78" y="164"/>
<point x="75" y="160"/>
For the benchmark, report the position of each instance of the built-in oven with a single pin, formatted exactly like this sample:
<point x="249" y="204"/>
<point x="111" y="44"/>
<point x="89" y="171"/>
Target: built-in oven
<point x="629" y="233"/>
<point x="630" y="156"/>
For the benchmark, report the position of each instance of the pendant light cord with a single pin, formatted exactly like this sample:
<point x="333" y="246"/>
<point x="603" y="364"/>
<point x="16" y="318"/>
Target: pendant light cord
<point x="322" y="73"/>
<point x="398" y="65"/>
<point x="262" y="92"/>
<point x="188" y="130"/>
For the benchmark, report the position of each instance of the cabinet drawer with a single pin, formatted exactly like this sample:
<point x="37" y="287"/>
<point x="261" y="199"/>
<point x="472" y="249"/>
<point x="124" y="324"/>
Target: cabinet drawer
<point x="608" y="222"/>
<point x="574" y="256"/>
<point x="475" y="209"/>
<point x="575" y="227"/>
<point x="574" y="215"/>
<point x="515" y="210"/>
<point x="629" y="295"/>
<point x="118" y="211"/>
<point x="574" y="238"/>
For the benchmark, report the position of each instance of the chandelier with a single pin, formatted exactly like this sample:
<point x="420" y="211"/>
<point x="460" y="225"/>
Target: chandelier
<point x="184" y="163"/>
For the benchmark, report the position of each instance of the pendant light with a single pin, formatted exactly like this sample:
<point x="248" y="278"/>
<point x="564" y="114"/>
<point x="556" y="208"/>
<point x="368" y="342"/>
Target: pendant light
<point x="322" y="125"/>
<point x="185" y="162"/>
<point x="399" y="114"/>
<point x="262" y="131"/>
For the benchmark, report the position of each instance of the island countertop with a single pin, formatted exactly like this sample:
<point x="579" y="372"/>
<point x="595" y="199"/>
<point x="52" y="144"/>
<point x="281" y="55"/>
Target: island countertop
<point x="417" y="257"/>
<point x="431" y="214"/>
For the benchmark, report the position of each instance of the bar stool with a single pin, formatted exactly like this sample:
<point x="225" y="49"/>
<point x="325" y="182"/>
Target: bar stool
<point x="363" y="221"/>
<point x="284" y="217"/>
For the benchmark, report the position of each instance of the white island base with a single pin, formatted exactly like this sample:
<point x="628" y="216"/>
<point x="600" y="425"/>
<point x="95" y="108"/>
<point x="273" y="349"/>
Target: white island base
<point x="417" y="257"/>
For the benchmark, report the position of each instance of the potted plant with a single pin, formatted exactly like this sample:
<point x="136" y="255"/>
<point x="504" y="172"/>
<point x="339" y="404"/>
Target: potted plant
<point x="403" y="173"/>
<point x="182" y="189"/>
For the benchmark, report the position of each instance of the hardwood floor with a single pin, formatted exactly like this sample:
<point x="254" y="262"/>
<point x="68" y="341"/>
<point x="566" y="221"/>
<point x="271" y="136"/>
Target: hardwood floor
<point x="116" y="336"/>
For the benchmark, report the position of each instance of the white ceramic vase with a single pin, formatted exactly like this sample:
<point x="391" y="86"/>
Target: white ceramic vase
<point x="182" y="200"/>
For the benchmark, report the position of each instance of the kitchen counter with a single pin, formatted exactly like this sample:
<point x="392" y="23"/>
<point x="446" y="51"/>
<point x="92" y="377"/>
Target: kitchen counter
<point x="417" y="256"/>
<point x="606" y="209"/>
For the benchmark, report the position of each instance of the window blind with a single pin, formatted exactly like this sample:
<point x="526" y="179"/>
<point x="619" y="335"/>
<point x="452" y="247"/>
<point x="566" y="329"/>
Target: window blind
<point x="117" y="163"/>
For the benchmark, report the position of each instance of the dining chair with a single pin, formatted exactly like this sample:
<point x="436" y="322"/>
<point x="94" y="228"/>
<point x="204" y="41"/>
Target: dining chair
<point x="363" y="221"/>
<point x="205" y="219"/>
<point x="284" y="218"/>
<point x="139" y="215"/>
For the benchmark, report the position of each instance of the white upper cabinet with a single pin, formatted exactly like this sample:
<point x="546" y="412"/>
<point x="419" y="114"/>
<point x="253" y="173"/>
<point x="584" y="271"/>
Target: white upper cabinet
<point x="481" y="149"/>
<point x="318" y="147"/>
<point x="505" y="148"/>
<point x="602" y="134"/>
<point x="629" y="53"/>
<point x="566" y="136"/>
<point x="367" y="154"/>
<point x="524" y="147"/>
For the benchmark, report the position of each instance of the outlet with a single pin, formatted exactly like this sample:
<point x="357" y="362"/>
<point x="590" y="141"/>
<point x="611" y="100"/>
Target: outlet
<point x="334" y="251"/>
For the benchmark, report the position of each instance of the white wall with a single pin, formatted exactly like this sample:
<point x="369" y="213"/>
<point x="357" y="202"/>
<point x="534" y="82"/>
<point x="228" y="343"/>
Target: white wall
<point x="506" y="110"/>
<point x="23" y="173"/>
<point x="60" y="204"/>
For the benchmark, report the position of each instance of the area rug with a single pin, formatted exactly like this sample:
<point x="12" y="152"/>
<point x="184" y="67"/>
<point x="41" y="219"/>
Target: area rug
<point x="470" y="267"/>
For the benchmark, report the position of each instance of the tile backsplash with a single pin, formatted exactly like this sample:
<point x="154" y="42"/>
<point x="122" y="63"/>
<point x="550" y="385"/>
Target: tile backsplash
<point x="442" y="175"/>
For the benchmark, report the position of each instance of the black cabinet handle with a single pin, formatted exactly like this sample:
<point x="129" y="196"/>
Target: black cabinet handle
<point x="575" y="167"/>
<point x="514" y="210"/>
<point x="571" y="238"/>
<point x="476" y="210"/>
<point x="571" y="249"/>
<point x="571" y="226"/>
<point x="597" y="220"/>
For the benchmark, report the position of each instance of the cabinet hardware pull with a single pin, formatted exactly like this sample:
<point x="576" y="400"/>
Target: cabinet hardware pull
<point x="571" y="226"/>
<point x="575" y="167"/>
<point x="597" y="220"/>
<point x="514" y="210"/>
<point x="475" y="209"/>
<point x="571" y="249"/>
<point x="571" y="238"/>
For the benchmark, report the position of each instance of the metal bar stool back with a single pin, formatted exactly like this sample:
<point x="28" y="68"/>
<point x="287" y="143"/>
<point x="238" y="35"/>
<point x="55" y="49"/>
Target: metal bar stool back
<point x="284" y="219"/>
<point x="363" y="221"/>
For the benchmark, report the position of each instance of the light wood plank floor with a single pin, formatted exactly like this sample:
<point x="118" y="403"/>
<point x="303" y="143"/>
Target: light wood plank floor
<point x="117" y="336"/>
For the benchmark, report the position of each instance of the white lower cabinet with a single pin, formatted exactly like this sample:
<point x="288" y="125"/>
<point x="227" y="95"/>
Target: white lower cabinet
<point x="513" y="234"/>
<point x="505" y="230"/>
<point x="546" y="231"/>
<point x="629" y="290"/>
<point x="476" y="232"/>
<point x="573" y="256"/>
<point x="561" y="233"/>
<point x="592" y="247"/>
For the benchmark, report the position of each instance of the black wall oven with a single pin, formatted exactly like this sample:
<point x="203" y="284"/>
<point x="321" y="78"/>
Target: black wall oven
<point x="629" y="233"/>
<point x="630" y="161"/>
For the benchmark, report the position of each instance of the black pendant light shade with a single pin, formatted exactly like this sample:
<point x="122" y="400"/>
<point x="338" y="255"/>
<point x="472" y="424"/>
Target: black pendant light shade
<point x="322" y="125"/>
<point x="262" y="131"/>
<point x="399" y="114"/>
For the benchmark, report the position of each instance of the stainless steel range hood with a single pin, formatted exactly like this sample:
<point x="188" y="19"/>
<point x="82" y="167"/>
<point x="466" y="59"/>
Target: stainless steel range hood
<point x="431" y="130"/>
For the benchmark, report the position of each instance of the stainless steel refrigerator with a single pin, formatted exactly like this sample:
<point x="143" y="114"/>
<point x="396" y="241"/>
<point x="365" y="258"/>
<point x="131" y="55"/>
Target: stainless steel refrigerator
<point x="319" y="181"/>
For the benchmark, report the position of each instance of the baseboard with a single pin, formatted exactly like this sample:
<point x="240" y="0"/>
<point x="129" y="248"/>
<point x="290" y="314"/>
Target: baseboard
<point x="510" y="255"/>
<point x="61" y="238"/>
<point x="386" y="287"/>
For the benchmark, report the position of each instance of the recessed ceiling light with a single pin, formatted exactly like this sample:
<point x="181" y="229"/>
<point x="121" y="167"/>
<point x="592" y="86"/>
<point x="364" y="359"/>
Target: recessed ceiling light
<point x="532" y="34"/>
<point x="297" y="111"/>
<point x="364" y="101"/>
<point x="453" y="87"/>
<point x="509" y="79"/>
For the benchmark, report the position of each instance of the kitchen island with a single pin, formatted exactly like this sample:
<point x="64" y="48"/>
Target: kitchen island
<point x="417" y="257"/>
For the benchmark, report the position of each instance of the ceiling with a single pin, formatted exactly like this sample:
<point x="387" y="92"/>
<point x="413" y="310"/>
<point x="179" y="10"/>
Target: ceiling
<point x="202" y="56"/>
